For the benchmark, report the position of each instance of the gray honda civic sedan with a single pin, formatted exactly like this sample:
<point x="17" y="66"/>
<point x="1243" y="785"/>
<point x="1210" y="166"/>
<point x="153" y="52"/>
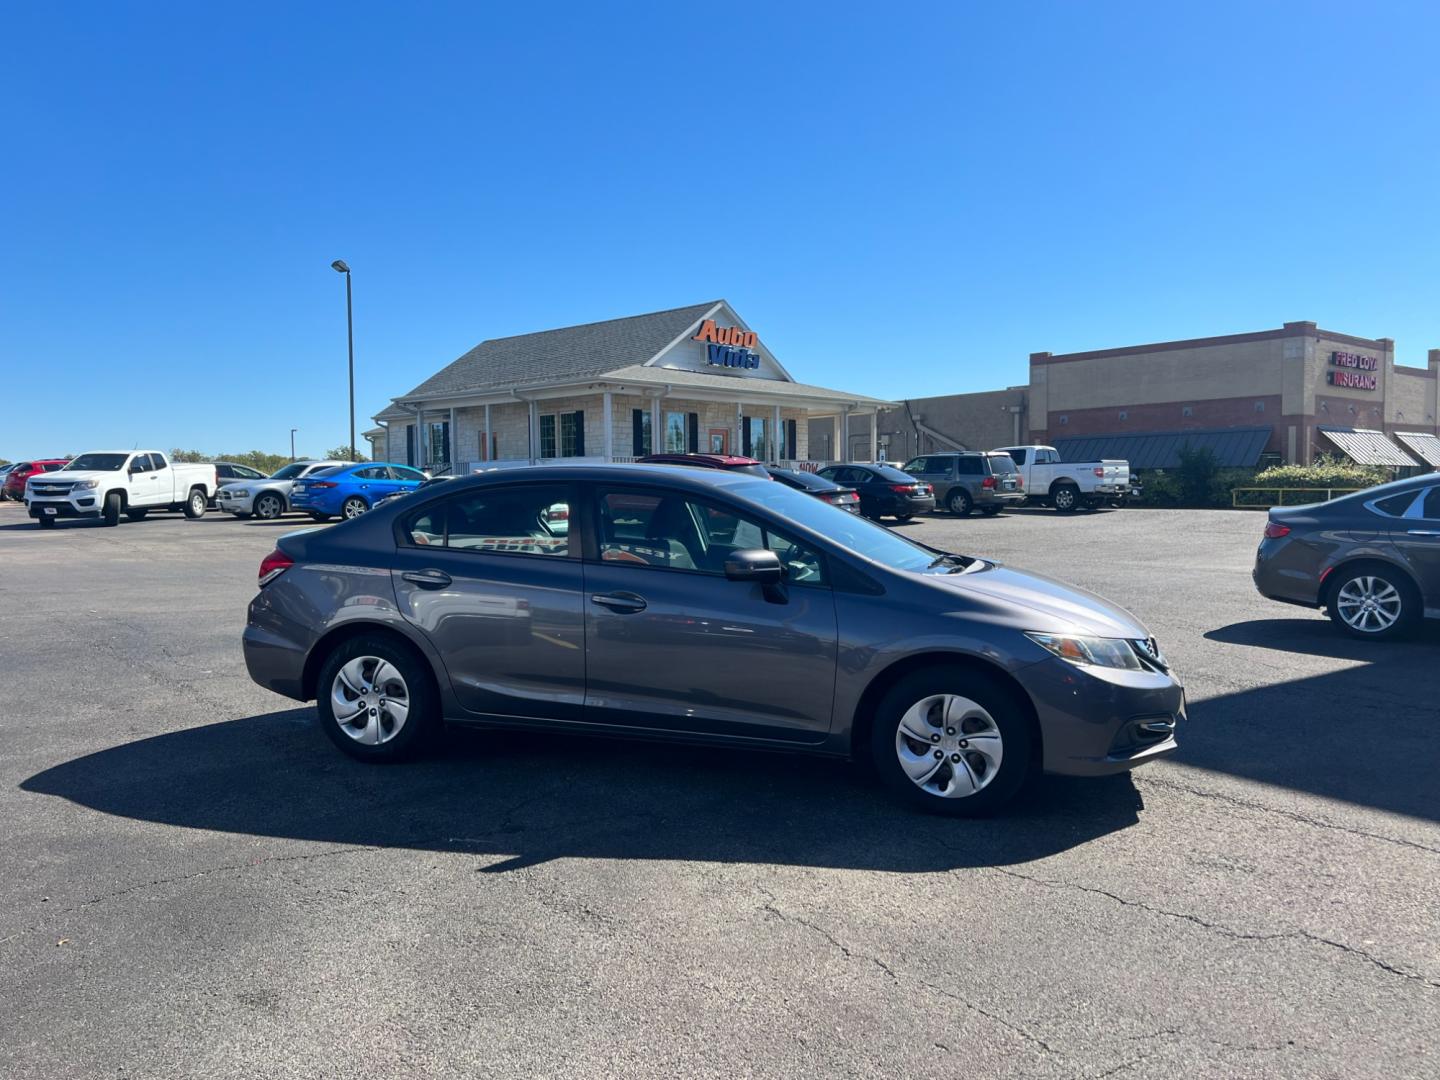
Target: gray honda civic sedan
<point x="708" y="607"/>
<point x="1371" y="559"/>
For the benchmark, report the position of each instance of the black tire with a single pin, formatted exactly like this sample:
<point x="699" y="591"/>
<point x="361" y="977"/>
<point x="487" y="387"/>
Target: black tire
<point x="268" y="506"/>
<point x="990" y="511"/>
<point x="1380" y="575"/>
<point x="137" y="515"/>
<point x="319" y="517"/>
<point x="422" y="721"/>
<point x="45" y="522"/>
<point x="1066" y="498"/>
<point x="959" y="503"/>
<point x="196" y="504"/>
<point x="1007" y="713"/>
<point x="110" y="512"/>
<point x="353" y="507"/>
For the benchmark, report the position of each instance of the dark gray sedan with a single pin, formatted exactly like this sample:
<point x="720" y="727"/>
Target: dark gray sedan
<point x="1371" y="559"/>
<point x="708" y="607"/>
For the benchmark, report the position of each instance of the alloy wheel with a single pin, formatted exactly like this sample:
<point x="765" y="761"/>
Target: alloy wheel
<point x="267" y="507"/>
<point x="370" y="700"/>
<point x="353" y="508"/>
<point x="1369" y="604"/>
<point x="949" y="746"/>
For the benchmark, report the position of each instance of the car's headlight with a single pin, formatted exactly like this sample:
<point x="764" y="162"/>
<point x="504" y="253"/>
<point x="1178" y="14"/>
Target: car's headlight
<point x="1097" y="651"/>
<point x="238" y="492"/>
<point x="85" y="485"/>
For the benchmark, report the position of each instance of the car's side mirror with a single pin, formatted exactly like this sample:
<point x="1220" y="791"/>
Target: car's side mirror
<point x="759" y="565"/>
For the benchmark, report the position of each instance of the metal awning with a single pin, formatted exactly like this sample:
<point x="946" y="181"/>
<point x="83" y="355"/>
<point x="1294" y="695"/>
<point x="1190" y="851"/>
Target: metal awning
<point x="1232" y="447"/>
<point x="1425" y="447"/>
<point x="1368" y="447"/>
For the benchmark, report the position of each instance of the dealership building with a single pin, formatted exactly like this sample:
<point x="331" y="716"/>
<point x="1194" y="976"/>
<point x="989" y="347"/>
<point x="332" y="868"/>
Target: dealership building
<point x="695" y="378"/>
<point x="1275" y="395"/>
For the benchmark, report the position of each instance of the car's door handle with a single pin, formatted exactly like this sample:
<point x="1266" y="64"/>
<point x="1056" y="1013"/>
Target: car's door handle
<point x="1424" y="532"/>
<point x="621" y="601"/>
<point x="427" y="579"/>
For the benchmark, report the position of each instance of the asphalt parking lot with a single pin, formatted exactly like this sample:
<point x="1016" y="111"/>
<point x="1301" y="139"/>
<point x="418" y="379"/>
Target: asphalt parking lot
<point x="193" y="882"/>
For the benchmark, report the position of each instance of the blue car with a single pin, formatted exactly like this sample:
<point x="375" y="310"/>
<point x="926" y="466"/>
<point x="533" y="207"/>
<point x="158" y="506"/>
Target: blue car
<point x="350" y="490"/>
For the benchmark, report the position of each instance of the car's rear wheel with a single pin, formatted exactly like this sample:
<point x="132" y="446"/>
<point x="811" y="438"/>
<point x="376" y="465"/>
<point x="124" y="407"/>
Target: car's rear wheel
<point x="376" y="700"/>
<point x="195" y="504"/>
<point x="1373" y="601"/>
<point x="1066" y="498"/>
<point x="960" y="503"/>
<point x="353" y="507"/>
<point x="110" y="513"/>
<point x="137" y="515"/>
<point x="951" y="740"/>
<point x="269" y="506"/>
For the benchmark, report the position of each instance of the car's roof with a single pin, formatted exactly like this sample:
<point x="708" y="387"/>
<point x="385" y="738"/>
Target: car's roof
<point x="724" y="461"/>
<point x="601" y="471"/>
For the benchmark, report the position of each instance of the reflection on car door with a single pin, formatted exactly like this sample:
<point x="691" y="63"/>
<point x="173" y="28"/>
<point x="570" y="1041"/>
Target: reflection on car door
<point x="498" y="594"/>
<point x="671" y="644"/>
<point x="1417" y="535"/>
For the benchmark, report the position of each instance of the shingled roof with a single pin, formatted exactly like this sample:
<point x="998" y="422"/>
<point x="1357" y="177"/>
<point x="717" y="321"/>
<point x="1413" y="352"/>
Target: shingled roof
<point x="572" y="352"/>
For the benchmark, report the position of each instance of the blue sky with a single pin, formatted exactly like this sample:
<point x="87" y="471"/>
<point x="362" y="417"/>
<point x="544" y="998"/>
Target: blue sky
<point x="902" y="199"/>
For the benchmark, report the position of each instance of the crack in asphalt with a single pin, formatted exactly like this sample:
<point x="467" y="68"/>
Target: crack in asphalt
<point x="770" y="908"/>
<point x="1223" y="930"/>
<point x="1292" y="815"/>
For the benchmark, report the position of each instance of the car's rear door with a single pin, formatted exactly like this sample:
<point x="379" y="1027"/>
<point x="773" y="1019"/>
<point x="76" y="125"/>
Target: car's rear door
<point x="499" y="595"/>
<point x="1417" y="535"/>
<point x="673" y="645"/>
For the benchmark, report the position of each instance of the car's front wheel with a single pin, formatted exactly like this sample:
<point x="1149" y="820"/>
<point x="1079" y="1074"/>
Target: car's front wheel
<point x="376" y="700"/>
<point x="1374" y="601"/>
<point x="269" y="506"/>
<point x="951" y="740"/>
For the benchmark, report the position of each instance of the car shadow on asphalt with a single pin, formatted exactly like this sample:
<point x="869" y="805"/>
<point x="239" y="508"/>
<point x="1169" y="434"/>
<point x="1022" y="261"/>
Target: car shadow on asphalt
<point x="530" y="798"/>
<point x="1367" y="732"/>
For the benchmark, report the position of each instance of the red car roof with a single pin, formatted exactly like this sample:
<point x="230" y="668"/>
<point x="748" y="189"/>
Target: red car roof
<point x="713" y="461"/>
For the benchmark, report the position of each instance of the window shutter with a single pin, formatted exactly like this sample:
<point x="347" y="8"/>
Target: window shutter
<point x="637" y="430"/>
<point x="579" y="432"/>
<point x="692" y="432"/>
<point x="745" y="436"/>
<point x="792" y="442"/>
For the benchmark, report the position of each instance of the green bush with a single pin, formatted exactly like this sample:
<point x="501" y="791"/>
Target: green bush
<point x="1324" y="472"/>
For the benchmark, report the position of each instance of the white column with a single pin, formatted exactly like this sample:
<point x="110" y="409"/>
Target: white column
<point x="454" y="443"/>
<point x="489" y="439"/>
<point x="608" y="427"/>
<point x="534" y="432"/>
<point x="657" y="430"/>
<point x="874" y="434"/>
<point x="836" y="450"/>
<point x="421" y="442"/>
<point x="775" y="437"/>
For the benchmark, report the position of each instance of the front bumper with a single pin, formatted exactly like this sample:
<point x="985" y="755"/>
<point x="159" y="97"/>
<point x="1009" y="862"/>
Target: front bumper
<point x="1098" y="721"/>
<point x="231" y="503"/>
<point x="64" y="508"/>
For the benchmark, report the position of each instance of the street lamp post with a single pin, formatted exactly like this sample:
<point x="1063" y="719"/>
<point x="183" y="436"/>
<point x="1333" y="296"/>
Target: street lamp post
<point x="340" y="268"/>
<point x="292" y="442"/>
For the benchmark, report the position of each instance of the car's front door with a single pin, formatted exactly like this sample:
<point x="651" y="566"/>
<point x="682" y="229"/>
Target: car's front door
<point x="498" y="592"/>
<point x="150" y="485"/>
<point x="1417" y="535"/>
<point x="673" y="645"/>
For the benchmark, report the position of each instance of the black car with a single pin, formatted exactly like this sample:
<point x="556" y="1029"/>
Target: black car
<point x="884" y="489"/>
<point x="814" y="484"/>
<point x="1371" y="559"/>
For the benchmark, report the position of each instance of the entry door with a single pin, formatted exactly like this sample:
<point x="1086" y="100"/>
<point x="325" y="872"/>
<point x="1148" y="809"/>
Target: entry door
<point x="490" y="578"/>
<point x="719" y="440"/>
<point x="672" y="645"/>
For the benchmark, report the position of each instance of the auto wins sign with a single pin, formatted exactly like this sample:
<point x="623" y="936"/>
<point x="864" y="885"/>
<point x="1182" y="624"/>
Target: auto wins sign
<point x="728" y="346"/>
<point x="1352" y="371"/>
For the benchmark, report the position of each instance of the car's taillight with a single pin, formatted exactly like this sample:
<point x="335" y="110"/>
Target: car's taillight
<point x="988" y="482"/>
<point x="273" y="565"/>
<point x="322" y="484"/>
<point x="907" y="489"/>
<point x="1274" y="530"/>
<point x="1099" y="472"/>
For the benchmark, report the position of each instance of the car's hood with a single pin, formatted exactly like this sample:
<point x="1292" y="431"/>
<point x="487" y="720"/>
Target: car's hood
<point x="69" y="476"/>
<point x="1050" y="606"/>
<point x="263" y="485"/>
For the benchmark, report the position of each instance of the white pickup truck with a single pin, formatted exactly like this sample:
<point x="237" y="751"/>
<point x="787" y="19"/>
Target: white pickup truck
<point x="105" y="484"/>
<point x="1069" y="485"/>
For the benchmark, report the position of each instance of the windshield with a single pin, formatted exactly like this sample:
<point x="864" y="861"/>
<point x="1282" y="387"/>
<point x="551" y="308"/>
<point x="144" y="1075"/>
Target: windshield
<point x="1002" y="463"/>
<point x="99" y="462"/>
<point x="889" y="472"/>
<point x="289" y="471"/>
<point x="865" y="538"/>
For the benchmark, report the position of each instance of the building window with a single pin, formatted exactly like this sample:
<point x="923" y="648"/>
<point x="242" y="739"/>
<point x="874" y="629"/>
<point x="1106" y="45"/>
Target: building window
<point x="790" y="442"/>
<point x="562" y="434"/>
<point x="438" y="443"/>
<point x="1259" y="406"/>
<point x="547" y="435"/>
<point x="639" y="432"/>
<point x="1064" y="420"/>
<point x="754" y="437"/>
<point x="1186" y="410"/>
<point x="1124" y="415"/>
<point x="676" y="440"/>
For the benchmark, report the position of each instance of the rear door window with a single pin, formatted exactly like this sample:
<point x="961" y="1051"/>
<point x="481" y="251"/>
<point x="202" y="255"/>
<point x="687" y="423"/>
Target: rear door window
<point x="1397" y="505"/>
<point x="970" y="466"/>
<point x="1430" y="507"/>
<point x="514" y="520"/>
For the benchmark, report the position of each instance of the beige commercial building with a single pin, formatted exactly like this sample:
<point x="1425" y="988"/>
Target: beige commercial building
<point x="1275" y="395"/>
<point x="688" y="379"/>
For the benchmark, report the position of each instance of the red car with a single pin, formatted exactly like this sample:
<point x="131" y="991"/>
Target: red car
<point x="15" y="479"/>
